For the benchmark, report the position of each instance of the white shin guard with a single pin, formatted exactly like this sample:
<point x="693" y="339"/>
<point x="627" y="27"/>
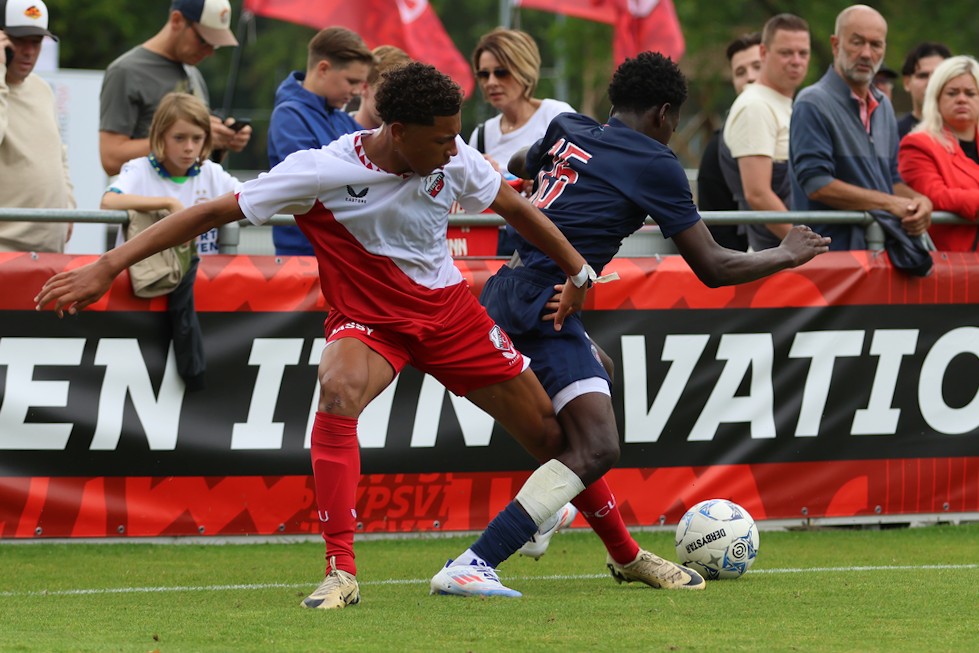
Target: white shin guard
<point x="551" y="486"/>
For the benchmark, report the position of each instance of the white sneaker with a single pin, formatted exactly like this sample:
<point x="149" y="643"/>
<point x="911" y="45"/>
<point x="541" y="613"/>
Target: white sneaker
<point x="536" y="546"/>
<point x="470" y="580"/>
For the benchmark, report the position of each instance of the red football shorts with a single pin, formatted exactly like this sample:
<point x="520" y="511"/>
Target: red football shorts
<point x="469" y="353"/>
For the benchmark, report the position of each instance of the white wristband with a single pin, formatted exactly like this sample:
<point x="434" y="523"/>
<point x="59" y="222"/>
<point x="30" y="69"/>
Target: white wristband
<point x="584" y="275"/>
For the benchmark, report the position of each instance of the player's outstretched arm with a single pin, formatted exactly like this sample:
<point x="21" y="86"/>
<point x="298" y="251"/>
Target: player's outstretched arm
<point x="73" y="290"/>
<point x="719" y="266"/>
<point x="541" y="232"/>
<point x="518" y="164"/>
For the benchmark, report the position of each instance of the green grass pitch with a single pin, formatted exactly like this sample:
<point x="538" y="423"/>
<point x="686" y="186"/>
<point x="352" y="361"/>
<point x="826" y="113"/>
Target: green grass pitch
<point x="820" y="590"/>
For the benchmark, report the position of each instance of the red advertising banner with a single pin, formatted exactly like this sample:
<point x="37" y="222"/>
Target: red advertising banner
<point x="391" y="503"/>
<point x="841" y="389"/>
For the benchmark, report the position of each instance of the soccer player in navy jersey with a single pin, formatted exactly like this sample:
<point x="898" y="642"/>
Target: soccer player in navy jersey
<point x="598" y="183"/>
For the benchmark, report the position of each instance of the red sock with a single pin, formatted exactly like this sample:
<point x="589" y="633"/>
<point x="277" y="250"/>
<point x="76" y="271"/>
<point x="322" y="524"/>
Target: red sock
<point x="598" y="507"/>
<point x="336" y="473"/>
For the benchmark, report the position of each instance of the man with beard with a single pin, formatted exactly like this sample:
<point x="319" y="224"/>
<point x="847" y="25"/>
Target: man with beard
<point x="843" y="137"/>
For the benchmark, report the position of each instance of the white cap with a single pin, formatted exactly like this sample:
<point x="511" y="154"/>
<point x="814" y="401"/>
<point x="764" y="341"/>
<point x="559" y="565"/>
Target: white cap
<point x="211" y="18"/>
<point x="24" y="18"/>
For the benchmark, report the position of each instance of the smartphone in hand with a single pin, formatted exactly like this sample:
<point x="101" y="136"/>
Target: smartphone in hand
<point x="236" y="125"/>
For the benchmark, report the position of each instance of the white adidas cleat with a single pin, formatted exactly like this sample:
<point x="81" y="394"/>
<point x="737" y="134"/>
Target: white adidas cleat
<point x="470" y="580"/>
<point x="537" y="545"/>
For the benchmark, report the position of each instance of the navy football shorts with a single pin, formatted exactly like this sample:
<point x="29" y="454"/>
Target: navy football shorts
<point x="515" y="299"/>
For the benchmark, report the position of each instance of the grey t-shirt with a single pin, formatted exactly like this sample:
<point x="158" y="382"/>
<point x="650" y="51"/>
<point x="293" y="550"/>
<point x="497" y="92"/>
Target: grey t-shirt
<point x="135" y="83"/>
<point x="759" y="236"/>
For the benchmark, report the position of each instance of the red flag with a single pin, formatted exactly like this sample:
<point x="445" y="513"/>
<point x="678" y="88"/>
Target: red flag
<point x="597" y="10"/>
<point x="640" y="25"/>
<point x="411" y="25"/>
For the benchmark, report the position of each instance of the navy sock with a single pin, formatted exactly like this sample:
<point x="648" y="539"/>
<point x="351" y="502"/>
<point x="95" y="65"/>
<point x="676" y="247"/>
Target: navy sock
<point x="508" y="531"/>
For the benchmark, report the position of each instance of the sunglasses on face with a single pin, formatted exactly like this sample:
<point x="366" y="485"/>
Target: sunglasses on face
<point x="499" y="73"/>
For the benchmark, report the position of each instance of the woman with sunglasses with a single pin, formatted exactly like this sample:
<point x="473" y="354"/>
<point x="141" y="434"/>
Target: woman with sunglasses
<point x="507" y="67"/>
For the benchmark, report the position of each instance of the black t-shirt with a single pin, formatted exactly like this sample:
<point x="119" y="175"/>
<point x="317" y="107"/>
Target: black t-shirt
<point x="905" y="125"/>
<point x="970" y="149"/>
<point x="713" y="194"/>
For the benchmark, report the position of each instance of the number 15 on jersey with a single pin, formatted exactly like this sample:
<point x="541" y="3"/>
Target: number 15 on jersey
<point x="551" y="182"/>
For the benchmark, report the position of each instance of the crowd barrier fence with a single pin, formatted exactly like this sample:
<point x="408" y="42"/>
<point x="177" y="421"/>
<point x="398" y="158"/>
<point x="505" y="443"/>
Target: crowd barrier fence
<point x="229" y="235"/>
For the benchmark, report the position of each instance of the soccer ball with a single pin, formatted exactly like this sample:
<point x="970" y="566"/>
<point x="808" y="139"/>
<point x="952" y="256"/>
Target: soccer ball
<point x="718" y="538"/>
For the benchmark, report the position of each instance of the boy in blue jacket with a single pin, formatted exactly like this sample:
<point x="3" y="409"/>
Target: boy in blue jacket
<point x="308" y="111"/>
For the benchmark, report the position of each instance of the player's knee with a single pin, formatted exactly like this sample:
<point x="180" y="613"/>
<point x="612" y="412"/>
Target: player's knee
<point x="592" y="462"/>
<point x="602" y="458"/>
<point x="341" y="394"/>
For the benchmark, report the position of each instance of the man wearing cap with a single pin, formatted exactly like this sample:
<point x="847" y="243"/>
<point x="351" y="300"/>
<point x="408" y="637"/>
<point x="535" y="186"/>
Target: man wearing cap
<point x="33" y="160"/>
<point x="135" y="83"/>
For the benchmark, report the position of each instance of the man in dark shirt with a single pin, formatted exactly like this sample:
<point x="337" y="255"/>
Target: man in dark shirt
<point x="713" y="194"/>
<point x="917" y="69"/>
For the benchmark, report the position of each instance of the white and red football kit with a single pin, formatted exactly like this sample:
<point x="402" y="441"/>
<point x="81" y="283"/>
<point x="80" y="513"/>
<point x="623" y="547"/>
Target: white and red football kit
<point x="384" y="262"/>
<point x="386" y="272"/>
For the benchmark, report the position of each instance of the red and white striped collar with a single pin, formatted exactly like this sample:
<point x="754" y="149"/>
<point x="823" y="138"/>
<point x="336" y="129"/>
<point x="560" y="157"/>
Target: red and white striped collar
<point x="362" y="155"/>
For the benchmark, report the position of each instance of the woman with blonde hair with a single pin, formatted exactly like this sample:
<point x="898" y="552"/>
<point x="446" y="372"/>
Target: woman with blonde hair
<point x="507" y="67"/>
<point x="940" y="159"/>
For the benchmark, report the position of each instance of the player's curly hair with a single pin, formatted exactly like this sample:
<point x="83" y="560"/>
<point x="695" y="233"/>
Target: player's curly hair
<point x="415" y="93"/>
<point x="649" y="80"/>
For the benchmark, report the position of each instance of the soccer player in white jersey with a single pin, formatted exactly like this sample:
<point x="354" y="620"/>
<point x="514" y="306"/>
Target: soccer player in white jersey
<point x="375" y="207"/>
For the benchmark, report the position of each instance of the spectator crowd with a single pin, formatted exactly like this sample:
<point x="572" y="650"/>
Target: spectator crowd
<point x="836" y="145"/>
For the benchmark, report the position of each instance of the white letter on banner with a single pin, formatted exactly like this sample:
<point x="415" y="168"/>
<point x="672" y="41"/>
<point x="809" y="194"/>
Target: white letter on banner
<point x="22" y="392"/>
<point x="125" y="372"/>
<point x="271" y="355"/>
<point x="315" y="354"/>
<point x="642" y="425"/>
<point x="937" y="414"/>
<point x="822" y="348"/>
<point x="372" y="425"/>
<point x="879" y="418"/>
<point x="476" y="425"/>
<point x="741" y="351"/>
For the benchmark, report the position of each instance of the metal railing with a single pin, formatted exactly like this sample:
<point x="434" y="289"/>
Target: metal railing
<point x="228" y="238"/>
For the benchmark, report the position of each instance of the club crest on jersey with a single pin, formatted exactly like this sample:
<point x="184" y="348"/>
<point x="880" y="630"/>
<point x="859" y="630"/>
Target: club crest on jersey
<point x="357" y="196"/>
<point x="435" y="183"/>
<point x="502" y="342"/>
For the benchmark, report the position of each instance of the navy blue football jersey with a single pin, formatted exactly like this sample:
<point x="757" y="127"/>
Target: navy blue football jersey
<point x="598" y="183"/>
